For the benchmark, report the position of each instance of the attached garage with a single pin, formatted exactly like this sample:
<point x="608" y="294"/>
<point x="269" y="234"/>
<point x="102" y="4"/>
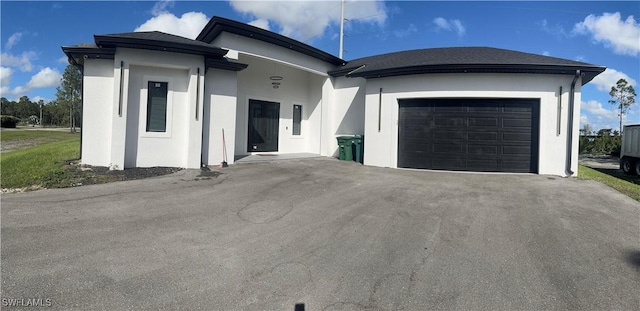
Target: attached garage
<point x="489" y="135"/>
<point x="472" y="109"/>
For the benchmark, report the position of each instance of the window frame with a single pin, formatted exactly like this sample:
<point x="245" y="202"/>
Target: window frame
<point x="144" y="106"/>
<point x="293" y="120"/>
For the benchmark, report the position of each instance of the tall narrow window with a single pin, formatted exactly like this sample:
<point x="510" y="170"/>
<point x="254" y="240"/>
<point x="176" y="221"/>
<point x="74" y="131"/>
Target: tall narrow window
<point x="297" y="119"/>
<point x="157" y="106"/>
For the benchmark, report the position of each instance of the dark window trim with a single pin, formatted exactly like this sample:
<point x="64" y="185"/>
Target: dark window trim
<point x="149" y="106"/>
<point x="299" y="119"/>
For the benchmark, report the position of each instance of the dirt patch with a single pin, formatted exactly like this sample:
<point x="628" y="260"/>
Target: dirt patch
<point x="17" y="144"/>
<point x="75" y="174"/>
<point x="599" y="161"/>
<point x="89" y="175"/>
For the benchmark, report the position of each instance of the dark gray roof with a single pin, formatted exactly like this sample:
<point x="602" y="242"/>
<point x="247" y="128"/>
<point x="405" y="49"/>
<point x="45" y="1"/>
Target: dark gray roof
<point x="105" y="48"/>
<point x="462" y="59"/>
<point x="155" y="40"/>
<point x="219" y="24"/>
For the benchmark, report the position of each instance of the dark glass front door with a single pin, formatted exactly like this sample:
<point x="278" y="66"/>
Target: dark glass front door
<point x="264" y="120"/>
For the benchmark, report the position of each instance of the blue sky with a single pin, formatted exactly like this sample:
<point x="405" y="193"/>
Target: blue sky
<point x="601" y="33"/>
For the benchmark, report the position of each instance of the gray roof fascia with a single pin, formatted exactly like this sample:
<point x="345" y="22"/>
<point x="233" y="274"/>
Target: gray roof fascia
<point x="589" y="72"/>
<point x="158" y="45"/>
<point x="77" y="54"/>
<point x="217" y="25"/>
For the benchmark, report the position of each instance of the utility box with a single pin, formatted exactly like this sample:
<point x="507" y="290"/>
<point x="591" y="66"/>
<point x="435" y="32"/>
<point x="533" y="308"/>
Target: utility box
<point x="630" y="150"/>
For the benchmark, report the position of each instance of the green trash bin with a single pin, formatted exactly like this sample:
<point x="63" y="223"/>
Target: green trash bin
<point x="345" y="148"/>
<point x="358" y="148"/>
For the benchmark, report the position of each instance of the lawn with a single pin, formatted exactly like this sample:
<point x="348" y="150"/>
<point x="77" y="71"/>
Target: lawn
<point x="36" y="157"/>
<point x="9" y="135"/>
<point x="628" y="185"/>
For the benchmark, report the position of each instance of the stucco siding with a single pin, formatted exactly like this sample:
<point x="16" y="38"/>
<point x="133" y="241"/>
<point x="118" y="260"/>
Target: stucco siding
<point x="272" y="52"/>
<point x="97" y="94"/>
<point x="180" y="145"/>
<point x="221" y="88"/>
<point x="297" y="88"/>
<point x="347" y="109"/>
<point x="381" y="146"/>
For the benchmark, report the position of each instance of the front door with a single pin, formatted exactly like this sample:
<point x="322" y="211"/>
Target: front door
<point x="264" y="120"/>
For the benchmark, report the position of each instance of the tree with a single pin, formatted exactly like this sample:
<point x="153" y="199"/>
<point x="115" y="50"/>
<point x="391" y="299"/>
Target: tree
<point x="623" y="95"/>
<point x="586" y="130"/>
<point x="604" y="132"/>
<point x="69" y="93"/>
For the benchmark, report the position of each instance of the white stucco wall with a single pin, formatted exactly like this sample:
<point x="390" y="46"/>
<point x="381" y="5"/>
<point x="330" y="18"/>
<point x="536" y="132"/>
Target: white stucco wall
<point x="219" y="113"/>
<point x="180" y="145"/>
<point x="97" y="94"/>
<point x="297" y="88"/>
<point x="346" y="111"/>
<point x="248" y="46"/>
<point x="381" y="148"/>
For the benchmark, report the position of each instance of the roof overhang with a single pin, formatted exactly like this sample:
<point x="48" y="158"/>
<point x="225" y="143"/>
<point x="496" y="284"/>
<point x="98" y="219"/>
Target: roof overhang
<point x="110" y="41"/>
<point x="224" y="64"/>
<point x="217" y="25"/>
<point x="77" y="54"/>
<point x="588" y="72"/>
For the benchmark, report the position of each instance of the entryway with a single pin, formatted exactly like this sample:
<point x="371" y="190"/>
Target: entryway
<point x="264" y="120"/>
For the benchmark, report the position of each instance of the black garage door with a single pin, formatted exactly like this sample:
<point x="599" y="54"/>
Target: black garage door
<point x="490" y="135"/>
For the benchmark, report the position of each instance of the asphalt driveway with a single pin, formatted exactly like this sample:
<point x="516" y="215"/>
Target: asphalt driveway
<point x="324" y="235"/>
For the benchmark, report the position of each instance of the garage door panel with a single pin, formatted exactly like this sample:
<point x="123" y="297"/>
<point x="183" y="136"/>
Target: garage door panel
<point x="517" y="123"/>
<point x="453" y="107"/>
<point x="469" y="134"/>
<point x="517" y="108"/>
<point x="447" y="135"/>
<point x="516" y="150"/>
<point x="483" y="109"/>
<point x="441" y="121"/>
<point x="482" y="149"/>
<point x="482" y="136"/>
<point x="447" y="148"/>
<point x="516" y="137"/>
<point x="483" y="122"/>
<point x="487" y="165"/>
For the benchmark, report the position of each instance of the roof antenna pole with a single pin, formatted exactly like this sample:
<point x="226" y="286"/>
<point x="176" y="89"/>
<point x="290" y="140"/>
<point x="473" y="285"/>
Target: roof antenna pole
<point x="341" y="29"/>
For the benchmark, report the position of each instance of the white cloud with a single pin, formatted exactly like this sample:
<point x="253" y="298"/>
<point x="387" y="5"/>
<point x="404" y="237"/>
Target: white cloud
<point x="46" y="77"/>
<point x="160" y="7"/>
<point x="63" y="60"/>
<point x="13" y="39"/>
<point x="188" y="25"/>
<point x="406" y="32"/>
<point x="602" y="114"/>
<point x="38" y="98"/>
<point x="305" y="20"/>
<point x="556" y="30"/>
<point x="609" y="78"/>
<point x="23" y="61"/>
<point x="583" y="120"/>
<point x="610" y="29"/>
<point x="546" y="53"/>
<point x="454" y="25"/>
<point x="260" y="23"/>
<point x="5" y="75"/>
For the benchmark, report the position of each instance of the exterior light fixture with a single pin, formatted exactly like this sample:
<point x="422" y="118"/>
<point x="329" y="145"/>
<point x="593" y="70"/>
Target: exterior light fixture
<point x="276" y="79"/>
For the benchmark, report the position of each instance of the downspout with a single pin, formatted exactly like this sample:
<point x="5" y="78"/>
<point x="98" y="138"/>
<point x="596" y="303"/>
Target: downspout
<point x="570" y="123"/>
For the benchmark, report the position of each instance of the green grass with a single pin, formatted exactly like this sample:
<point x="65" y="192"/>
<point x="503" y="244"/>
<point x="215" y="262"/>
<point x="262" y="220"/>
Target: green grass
<point x="629" y="185"/>
<point x="42" y="164"/>
<point x="9" y="135"/>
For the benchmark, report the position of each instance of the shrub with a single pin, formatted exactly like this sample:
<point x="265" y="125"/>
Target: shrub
<point x="9" y="121"/>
